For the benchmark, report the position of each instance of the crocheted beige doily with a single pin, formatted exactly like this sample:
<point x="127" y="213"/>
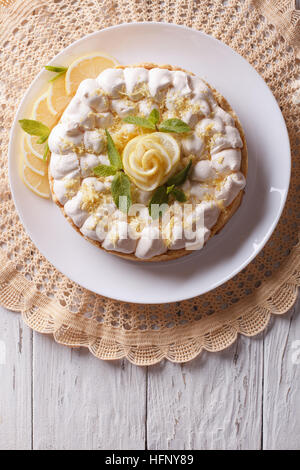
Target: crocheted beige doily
<point x="266" y="33"/>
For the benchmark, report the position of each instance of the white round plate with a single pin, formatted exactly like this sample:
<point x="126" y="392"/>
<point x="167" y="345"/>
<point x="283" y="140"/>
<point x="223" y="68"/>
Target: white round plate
<point x="245" y="234"/>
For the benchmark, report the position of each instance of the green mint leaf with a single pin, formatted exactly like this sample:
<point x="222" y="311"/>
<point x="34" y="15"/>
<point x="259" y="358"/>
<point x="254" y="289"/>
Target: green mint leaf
<point x="120" y="190"/>
<point x="154" y="116"/>
<point x="180" y="177"/>
<point x="174" y="125"/>
<point x="34" y="127"/>
<point x="45" y="156"/>
<point x="104" y="170"/>
<point x="113" y="154"/>
<point x="56" y="77"/>
<point x="140" y="121"/>
<point x="43" y="139"/>
<point x="178" y="194"/>
<point x="159" y="197"/>
<point x="170" y="188"/>
<point x="57" y="69"/>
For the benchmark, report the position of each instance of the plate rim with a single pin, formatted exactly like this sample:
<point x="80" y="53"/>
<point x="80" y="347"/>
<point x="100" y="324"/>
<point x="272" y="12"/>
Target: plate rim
<point x="220" y="43"/>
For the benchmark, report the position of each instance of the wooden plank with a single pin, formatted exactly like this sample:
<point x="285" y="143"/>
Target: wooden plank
<point x="281" y="411"/>
<point x="81" y="402"/>
<point x="213" y="402"/>
<point x="15" y="382"/>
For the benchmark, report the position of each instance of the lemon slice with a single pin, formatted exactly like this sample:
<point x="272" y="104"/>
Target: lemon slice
<point x="38" y="184"/>
<point x="35" y="148"/>
<point x="88" y="66"/>
<point x="57" y="99"/>
<point x="42" y="113"/>
<point x="36" y="164"/>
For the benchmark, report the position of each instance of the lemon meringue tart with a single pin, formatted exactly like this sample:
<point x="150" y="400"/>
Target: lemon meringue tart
<point x="148" y="162"/>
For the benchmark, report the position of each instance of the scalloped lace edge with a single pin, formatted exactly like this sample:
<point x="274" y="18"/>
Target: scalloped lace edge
<point x="46" y="316"/>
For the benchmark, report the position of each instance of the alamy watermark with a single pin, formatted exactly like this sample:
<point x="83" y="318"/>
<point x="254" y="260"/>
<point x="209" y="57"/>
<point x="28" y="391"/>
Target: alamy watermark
<point x="182" y="222"/>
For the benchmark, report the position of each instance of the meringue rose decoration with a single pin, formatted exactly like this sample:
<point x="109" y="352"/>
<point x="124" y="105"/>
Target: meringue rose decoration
<point x="150" y="159"/>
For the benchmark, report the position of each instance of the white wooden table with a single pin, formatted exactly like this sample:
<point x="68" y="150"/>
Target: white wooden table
<point x="247" y="397"/>
<point x="53" y="397"/>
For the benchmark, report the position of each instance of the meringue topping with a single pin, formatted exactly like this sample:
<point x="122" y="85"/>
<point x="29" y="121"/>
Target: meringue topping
<point x="78" y="144"/>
